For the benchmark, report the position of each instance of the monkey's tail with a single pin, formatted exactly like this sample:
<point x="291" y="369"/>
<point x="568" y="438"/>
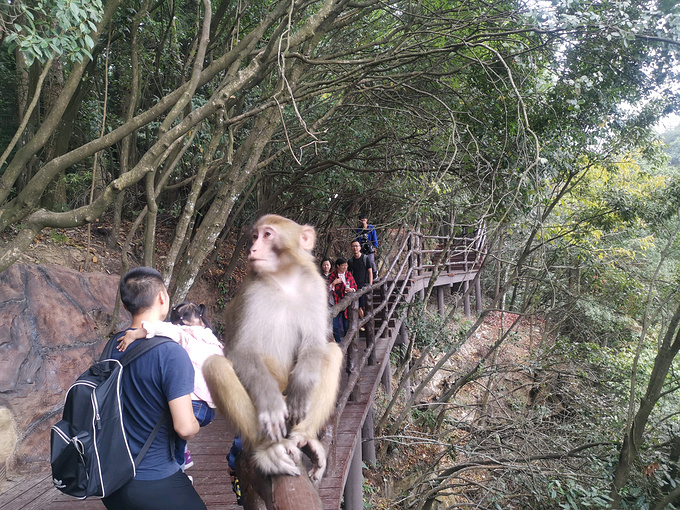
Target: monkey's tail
<point x="230" y="397"/>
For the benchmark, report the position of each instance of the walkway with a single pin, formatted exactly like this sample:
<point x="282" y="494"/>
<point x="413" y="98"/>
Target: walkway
<point x="212" y="482"/>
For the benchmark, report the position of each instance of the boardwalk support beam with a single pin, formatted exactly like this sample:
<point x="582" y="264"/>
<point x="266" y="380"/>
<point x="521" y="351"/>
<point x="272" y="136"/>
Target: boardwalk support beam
<point x="354" y="490"/>
<point x="276" y="492"/>
<point x="440" y="301"/>
<point x="367" y="440"/>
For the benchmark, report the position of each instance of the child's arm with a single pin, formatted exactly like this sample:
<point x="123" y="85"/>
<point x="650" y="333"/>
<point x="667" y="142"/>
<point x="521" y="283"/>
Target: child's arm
<point x="172" y="331"/>
<point x="130" y="336"/>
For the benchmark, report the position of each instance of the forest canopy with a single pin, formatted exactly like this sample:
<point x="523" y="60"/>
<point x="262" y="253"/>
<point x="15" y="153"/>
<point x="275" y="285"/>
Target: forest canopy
<point x="215" y="112"/>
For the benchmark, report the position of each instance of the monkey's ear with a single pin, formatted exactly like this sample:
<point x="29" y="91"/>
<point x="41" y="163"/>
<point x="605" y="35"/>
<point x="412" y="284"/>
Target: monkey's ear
<point x="307" y="237"/>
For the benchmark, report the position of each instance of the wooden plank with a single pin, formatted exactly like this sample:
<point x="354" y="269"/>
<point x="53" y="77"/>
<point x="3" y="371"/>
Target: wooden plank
<point x="16" y="487"/>
<point x="27" y="499"/>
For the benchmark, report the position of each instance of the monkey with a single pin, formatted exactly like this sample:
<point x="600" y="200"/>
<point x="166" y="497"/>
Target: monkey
<point x="278" y="380"/>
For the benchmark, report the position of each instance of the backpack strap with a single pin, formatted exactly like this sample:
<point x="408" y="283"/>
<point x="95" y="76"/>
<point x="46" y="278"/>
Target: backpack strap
<point x="132" y="354"/>
<point x="108" y="348"/>
<point x="152" y="436"/>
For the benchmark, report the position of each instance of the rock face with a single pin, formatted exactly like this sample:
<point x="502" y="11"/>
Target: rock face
<point x="51" y="324"/>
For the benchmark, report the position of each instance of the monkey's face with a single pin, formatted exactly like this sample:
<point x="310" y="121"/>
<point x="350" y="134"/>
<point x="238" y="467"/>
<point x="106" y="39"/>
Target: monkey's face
<point x="263" y="255"/>
<point x="280" y="245"/>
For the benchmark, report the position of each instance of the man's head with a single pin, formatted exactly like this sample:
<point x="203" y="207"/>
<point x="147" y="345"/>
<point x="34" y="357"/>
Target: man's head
<point x="341" y="265"/>
<point x="140" y="289"/>
<point x="363" y="220"/>
<point x="356" y="249"/>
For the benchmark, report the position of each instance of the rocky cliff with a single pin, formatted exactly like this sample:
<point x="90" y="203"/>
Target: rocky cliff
<point x="51" y="324"/>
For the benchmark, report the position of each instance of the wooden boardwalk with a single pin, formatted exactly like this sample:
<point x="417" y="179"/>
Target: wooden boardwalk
<point x="208" y="450"/>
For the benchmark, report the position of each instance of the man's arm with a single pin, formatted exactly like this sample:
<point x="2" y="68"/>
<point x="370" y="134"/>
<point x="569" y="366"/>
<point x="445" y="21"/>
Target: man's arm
<point x="183" y="420"/>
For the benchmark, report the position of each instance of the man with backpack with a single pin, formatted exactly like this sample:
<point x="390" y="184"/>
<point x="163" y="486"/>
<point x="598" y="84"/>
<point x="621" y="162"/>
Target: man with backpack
<point x="368" y="240"/>
<point x="156" y="389"/>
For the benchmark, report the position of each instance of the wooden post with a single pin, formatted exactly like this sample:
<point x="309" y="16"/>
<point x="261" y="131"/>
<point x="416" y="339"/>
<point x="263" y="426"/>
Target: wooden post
<point x="249" y="485"/>
<point x="383" y="297"/>
<point x="294" y="492"/>
<point x="354" y="491"/>
<point x="370" y="328"/>
<point x="466" y="297"/>
<point x="275" y="492"/>
<point x="440" y="300"/>
<point x="368" y="440"/>
<point x="352" y="348"/>
<point x="419" y="256"/>
<point x="478" y="295"/>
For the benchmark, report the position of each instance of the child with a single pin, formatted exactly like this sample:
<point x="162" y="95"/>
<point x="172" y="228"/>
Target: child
<point x="190" y="329"/>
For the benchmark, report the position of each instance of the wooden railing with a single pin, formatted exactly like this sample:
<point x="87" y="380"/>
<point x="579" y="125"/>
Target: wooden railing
<point x="411" y="261"/>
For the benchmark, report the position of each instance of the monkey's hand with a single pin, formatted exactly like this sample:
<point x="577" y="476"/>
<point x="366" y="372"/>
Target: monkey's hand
<point x="316" y="453"/>
<point x="272" y="418"/>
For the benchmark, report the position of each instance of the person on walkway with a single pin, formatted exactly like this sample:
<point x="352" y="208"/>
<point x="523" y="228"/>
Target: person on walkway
<point x="362" y="271"/>
<point x="368" y="239"/>
<point x="157" y="383"/>
<point x="340" y="282"/>
<point x="326" y="267"/>
<point x="189" y="328"/>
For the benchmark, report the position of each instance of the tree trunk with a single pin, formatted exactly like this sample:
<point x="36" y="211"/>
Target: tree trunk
<point x="633" y="437"/>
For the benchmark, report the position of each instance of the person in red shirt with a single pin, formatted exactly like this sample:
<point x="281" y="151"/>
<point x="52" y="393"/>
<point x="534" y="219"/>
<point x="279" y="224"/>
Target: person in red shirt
<point x="340" y="283"/>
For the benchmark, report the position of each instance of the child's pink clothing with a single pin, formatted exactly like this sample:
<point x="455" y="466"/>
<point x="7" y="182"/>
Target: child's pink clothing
<point x="199" y="342"/>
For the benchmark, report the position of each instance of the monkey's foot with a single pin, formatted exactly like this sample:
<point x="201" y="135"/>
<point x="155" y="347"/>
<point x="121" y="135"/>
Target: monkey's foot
<point x="279" y="458"/>
<point x="316" y="453"/>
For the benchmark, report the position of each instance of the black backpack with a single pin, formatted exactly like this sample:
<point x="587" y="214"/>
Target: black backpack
<point x="89" y="449"/>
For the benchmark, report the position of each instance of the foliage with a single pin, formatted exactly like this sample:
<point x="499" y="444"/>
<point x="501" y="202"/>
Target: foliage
<point x="46" y="29"/>
<point x="672" y="141"/>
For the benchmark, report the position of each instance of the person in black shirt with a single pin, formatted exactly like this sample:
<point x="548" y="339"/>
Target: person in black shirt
<point x="362" y="271"/>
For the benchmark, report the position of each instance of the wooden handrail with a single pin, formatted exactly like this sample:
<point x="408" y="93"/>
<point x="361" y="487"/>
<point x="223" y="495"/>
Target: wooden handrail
<point x="399" y="279"/>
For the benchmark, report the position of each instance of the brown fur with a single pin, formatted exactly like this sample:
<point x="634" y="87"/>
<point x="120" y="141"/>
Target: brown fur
<point x="280" y="373"/>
